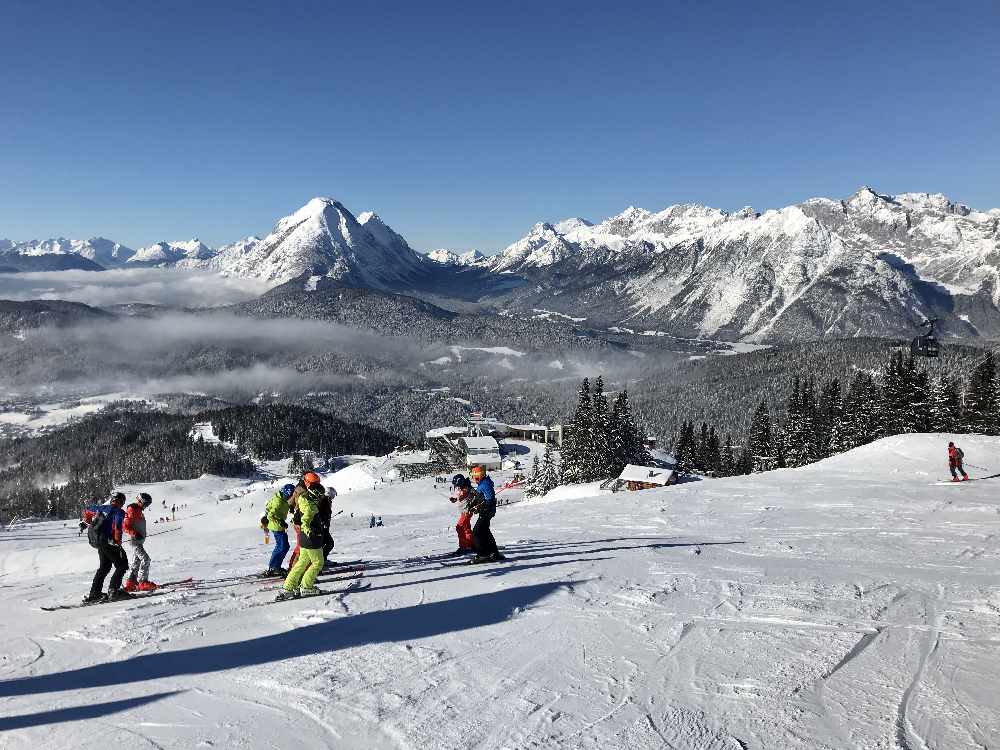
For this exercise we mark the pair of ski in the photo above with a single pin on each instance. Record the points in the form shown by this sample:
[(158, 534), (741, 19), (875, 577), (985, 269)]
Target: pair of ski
[(354, 584), (327, 576), (161, 590)]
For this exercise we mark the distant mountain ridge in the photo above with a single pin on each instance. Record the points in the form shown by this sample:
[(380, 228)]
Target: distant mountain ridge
[(871, 264)]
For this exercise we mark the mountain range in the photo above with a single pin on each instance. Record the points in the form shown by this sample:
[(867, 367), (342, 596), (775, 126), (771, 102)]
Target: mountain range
[(870, 264)]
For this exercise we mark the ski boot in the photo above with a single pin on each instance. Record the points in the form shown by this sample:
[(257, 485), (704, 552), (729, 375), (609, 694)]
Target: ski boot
[(286, 595), (120, 595), (955, 479), (459, 552), (311, 592), (148, 586), (497, 557), (95, 598), (131, 585), (480, 559)]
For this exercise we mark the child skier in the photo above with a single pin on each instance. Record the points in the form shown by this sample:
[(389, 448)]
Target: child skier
[(275, 514), (462, 493), (310, 561), (955, 457), (486, 506), (105, 535), (135, 526)]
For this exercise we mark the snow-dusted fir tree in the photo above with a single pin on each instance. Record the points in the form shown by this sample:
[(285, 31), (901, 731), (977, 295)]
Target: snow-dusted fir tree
[(981, 399), (576, 444), (829, 414), (685, 448), (295, 465), (548, 474), (944, 405), (529, 487), (627, 441), (798, 427), (862, 422), (601, 462), (761, 445)]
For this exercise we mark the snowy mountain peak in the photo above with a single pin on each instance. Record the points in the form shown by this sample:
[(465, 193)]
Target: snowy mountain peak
[(100, 250), (456, 258)]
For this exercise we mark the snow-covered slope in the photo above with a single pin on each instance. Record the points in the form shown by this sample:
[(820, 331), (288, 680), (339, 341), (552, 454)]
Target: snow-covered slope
[(104, 252), (324, 239), (870, 265), (849, 604)]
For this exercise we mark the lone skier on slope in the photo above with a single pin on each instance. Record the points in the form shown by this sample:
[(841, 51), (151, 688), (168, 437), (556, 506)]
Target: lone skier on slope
[(462, 493), (276, 514), (310, 561), (955, 457), (486, 506), (135, 527), (105, 535)]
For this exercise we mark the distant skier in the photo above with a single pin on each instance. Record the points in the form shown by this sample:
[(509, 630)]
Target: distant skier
[(173, 512), (276, 514), (105, 535), (371, 522), (379, 521), (310, 561), (486, 506), (135, 527), (955, 458), (462, 493)]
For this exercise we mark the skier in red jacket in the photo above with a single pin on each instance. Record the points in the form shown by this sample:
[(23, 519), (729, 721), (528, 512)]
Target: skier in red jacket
[(135, 527), (955, 457)]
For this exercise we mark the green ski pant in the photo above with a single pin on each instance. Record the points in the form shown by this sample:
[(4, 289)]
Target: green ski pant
[(306, 570)]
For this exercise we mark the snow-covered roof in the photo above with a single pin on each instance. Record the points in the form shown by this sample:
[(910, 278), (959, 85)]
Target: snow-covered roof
[(646, 474), (528, 427), (444, 431), (481, 444)]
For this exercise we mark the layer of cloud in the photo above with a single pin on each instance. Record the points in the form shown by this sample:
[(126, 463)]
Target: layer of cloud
[(154, 286)]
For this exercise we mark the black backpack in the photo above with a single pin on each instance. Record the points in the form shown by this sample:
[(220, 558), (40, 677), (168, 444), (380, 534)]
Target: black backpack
[(95, 534)]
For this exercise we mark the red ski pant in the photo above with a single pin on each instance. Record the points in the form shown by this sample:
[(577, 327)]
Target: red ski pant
[(298, 548), (464, 529)]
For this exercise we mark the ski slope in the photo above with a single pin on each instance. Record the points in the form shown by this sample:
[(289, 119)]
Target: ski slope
[(850, 604)]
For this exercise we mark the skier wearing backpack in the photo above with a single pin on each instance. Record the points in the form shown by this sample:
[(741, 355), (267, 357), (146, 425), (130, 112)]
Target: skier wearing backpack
[(462, 493), (135, 526), (105, 535), (311, 538), (275, 514), (483, 541), (955, 458)]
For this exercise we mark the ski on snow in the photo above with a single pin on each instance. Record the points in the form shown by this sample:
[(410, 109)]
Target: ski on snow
[(133, 598), (279, 582), (354, 585)]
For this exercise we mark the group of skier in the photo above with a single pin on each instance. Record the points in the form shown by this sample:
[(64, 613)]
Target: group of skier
[(107, 526), (477, 496)]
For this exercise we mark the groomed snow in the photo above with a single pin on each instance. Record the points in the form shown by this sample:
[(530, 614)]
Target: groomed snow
[(849, 604)]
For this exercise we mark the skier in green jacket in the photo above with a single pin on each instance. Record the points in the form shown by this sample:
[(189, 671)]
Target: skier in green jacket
[(275, 514), (309, 520)]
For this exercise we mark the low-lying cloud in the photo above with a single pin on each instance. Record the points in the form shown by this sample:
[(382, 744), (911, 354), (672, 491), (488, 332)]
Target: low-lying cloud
[(171, 287)]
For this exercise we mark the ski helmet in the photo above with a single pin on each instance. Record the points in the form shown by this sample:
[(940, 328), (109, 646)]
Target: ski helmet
[(477, 472), (310, 477), (146, 499), (458, 480), (118, 497), (287, 490)]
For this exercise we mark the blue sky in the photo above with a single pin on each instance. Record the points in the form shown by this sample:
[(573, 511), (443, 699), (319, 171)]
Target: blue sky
[(463, 123)]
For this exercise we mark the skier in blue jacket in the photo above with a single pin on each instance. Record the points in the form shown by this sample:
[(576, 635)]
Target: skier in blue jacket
[(107, 540), (483, 542)]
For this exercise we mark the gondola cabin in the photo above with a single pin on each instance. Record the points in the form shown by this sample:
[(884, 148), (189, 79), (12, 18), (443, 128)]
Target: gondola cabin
[(926, 344)]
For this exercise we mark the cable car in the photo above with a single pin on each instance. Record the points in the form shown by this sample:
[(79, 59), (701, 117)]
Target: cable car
[(926, 344)]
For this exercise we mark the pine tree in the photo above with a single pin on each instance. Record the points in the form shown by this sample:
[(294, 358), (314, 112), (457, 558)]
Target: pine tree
[(981, 398), (576, 444), (944, 405), (532, 485), (295, 465), (727, 459), (861, 422), (307, 463), (701, 452), (797, 429), (628, 445), (713, 454), (829, 415), (548, 474), (761, 446), (601, 464), (685, 448)]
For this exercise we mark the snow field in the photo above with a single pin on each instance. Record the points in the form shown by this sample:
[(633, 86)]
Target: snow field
[(848, 604)]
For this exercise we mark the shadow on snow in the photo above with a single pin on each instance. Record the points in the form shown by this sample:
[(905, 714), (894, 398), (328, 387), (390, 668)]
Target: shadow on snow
[(78, 713), (385, 626)]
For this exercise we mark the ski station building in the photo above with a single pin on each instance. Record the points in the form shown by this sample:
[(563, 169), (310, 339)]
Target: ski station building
[(635, 478), (482, 451)]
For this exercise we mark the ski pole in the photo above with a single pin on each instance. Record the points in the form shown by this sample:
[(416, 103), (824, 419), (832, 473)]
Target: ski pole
[(983, 468), (157, 533)]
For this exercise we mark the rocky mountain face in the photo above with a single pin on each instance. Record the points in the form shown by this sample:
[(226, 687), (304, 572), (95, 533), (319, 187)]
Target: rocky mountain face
[(172, 253), (868, 265)]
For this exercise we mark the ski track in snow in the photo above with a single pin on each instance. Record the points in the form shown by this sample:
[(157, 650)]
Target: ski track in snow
[(842, 606)]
